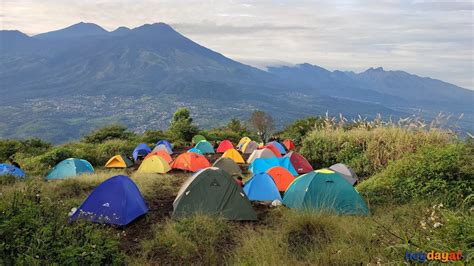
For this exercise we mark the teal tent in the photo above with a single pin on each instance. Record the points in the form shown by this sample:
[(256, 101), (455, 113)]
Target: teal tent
[(198, 151), (69, 168), (324, 190), (261, 187), (204, 146)]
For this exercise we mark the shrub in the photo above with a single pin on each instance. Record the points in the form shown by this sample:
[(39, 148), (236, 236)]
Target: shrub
[(108, 133), (434, 172), (34, 230), (367, 151), (298, 130)]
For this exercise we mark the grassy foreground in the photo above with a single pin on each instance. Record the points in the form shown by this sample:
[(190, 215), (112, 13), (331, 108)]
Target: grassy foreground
[(418, 185)]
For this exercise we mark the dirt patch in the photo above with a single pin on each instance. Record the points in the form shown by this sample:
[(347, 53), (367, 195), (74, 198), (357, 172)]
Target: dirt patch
[(160, 208)]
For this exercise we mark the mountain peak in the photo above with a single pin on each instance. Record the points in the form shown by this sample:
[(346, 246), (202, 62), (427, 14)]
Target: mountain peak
[(378, 69), (77, 30)]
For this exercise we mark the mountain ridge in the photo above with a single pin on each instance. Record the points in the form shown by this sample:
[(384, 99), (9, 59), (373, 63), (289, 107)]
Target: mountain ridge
[(154, 63)]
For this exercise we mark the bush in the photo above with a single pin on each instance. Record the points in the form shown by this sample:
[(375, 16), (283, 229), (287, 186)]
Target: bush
[(34, 230), (199, 239), (367, 151), (438, 173), (108, 133), (298, 130)]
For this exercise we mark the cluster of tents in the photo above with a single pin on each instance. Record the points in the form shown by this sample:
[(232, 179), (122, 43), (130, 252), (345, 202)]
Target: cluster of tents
[(279, 174)]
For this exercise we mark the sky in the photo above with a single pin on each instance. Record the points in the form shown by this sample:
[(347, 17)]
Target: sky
[(427, 38)]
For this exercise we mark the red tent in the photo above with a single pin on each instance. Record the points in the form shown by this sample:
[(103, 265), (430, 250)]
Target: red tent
[(289, 144), (300, 164), (224, 146), (274, 149)]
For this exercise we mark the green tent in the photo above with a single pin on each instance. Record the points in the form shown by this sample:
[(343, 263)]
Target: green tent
[(324, 190), (204, 146), (212, 191), (228, 165), (198, 138)]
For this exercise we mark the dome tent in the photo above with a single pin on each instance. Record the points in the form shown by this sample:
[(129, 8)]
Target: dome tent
[(234, 155), (198, 138), (228, 165), (301, 165), (324, 190), (163, 147), (8, 169), (204, 146), (281, 176), (224, 146), (263, 153), (190, 161), (69, 168), (195, 150), (166, 143), (116, 201), (346, 172), (212, 191), (140, 151), (119, 161), (289, 144), (163, 154), (249, 147), (277, 145), (261, 187), (154, 164)]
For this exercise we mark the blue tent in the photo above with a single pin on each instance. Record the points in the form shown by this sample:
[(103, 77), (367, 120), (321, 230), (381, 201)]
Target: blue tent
[(166, 143), (198, 151), (204, 146), (262, 187), (261, 165), (278, 145), (141, 150), (116, 201), (69, 168), (7, 169)]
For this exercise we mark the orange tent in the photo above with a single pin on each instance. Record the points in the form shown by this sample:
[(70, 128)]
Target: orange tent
[(281, 176), (163, 154), (224, 146), (190, 161), (289, 144), (273, 149)]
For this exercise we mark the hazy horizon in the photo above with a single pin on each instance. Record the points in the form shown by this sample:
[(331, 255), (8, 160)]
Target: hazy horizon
[(432, 39)]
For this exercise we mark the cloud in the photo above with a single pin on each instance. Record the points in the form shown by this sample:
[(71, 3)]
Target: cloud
[(429, 38)]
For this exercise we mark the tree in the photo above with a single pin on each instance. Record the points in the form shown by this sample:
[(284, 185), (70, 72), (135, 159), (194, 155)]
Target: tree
[(108, 132), (182, 127), (262, 123), (235, 125)]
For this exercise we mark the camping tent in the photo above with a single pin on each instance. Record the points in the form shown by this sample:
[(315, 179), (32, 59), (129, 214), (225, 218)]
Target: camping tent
[(204, 146), (249, 147), (69, 168), (277, 145), (154, 164), (7, 169), (261, 187), (224, 146), (242, 141), (263, 153), (228, 165), (197, 138), (273, 149), (162, 154), (212, 191), (324, 190), (261, 165), (118, 161), (166, 143), (190, 161), (281, 176), (289, 144), (346, 172), (163, 147), (234, 155), (300, 164), (116, 201), (195, 150), (140, 151)]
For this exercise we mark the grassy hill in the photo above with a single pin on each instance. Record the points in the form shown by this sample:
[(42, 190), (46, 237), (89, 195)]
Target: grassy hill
[(417, 182)]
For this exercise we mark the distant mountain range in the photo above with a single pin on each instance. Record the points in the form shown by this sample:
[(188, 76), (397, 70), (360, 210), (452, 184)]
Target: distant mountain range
[(58, 85)]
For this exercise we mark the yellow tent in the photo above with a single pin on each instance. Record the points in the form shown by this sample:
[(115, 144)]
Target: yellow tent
[(154, 164), (242, 141), (118, 161), (234, 155)]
